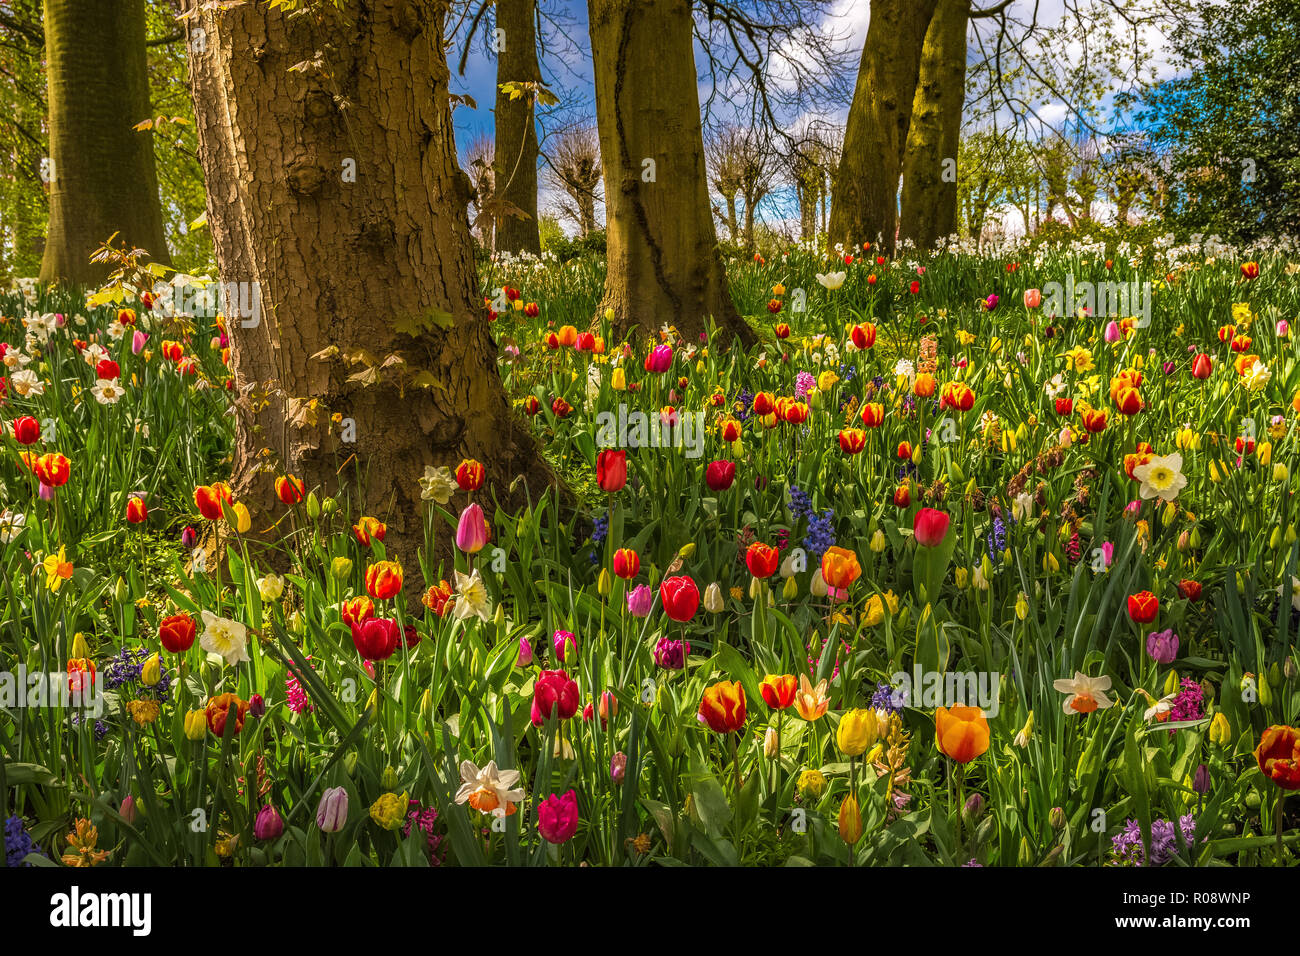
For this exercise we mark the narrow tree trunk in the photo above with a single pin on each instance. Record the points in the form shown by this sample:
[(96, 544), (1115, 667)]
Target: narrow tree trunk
[(103, 179), (663, 260), (515, 157), (929, 204), (337, 193), (864, 203)]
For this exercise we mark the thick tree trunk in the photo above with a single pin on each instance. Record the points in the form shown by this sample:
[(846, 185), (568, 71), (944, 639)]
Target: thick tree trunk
[(663, 260), (929, 204), (515, 157), (864, 203), (351, 222), (103, 179)]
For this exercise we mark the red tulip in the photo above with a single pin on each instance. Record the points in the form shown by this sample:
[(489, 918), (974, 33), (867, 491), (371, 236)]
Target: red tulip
[(611, 470), (554, 693), (176, 633), (680, 597), (1190, 589), (720, 474), (863, 335), (289, 489), (1143, 607), (627, 563), (762, 559), (136, 510), (930, 527), (27, 430), (1202, 366), (470, 474), (376, 638)]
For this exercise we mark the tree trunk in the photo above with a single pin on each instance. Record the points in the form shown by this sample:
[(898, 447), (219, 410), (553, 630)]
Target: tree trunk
[(351, 222), (663, 260), (864, 201), (103, 179), (515, 157), (929, 205)]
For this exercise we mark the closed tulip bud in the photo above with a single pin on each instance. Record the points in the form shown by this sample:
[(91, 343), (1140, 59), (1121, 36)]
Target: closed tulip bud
[(1275, 539), (1265, 452), (1171, 682), (243, 520), (196, 725), (687, 551), (603, 583), (1184, 540), (426, 705), (1022, 606), (80, 649), (372, 704), (961, 578), (1289, 670), (328, 506), (713, 602), (313, 506), (1220, 730), (811, 784), (127, 810), (1201, 779), (973, 808), (1290, 534), (1025, 855), (388, 779), (332, 811), (340, 568), (790, 590), (1280, 473), (818, 587), (878, 541), (350, 763), (121, 592), (1057, 818), (850, 820), (151, 671), (1275, 674), (770, 749)]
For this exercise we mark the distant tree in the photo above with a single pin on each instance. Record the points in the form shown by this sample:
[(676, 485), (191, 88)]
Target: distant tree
[(573, 170), (1227, 128)]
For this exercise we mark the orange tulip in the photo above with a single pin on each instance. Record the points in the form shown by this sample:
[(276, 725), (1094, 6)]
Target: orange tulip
[(289, 489), (383, 579), (957, 395), (840, 567), (723, 707), (1278, 755), (53, 469), (811, 702), (778, 690), (961, 733), (924, 386), (852, 441), (873, 414), (210, 499)]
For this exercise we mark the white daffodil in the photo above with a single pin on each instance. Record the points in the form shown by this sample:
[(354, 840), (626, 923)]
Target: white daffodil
[(12, 524), (107, 391), (471, 598), (437, 484), (1162, 477), (25, 383), (1084, 694), (488, 789), (226, 638)]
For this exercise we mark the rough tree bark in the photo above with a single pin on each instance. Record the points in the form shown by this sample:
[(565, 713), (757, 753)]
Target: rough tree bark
[(337, 192), (929, 203), (515, 157), (103, 176), (864, 203), (663, 260)]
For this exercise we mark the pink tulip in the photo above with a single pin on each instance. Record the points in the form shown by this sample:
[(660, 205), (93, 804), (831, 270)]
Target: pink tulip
[(557, 817), (471, 530), (138, 339), (1113, 334), (1033, 298)]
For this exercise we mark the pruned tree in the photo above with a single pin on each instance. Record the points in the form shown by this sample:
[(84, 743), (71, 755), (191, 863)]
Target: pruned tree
[(574, 171), (478, 166)]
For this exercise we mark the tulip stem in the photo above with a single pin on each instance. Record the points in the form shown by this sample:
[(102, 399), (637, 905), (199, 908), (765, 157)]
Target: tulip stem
[(1281, 799), (735, 762)]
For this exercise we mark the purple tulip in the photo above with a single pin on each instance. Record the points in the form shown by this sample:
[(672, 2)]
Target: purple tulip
[(332, 813), (639, 600), (1162, 646), (525, 652), (269, 824)]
